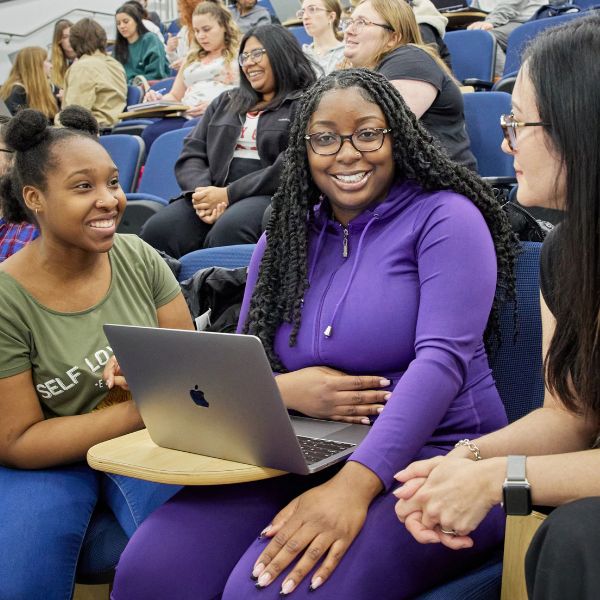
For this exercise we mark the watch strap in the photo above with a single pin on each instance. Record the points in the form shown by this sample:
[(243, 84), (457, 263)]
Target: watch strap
[(515, 468)]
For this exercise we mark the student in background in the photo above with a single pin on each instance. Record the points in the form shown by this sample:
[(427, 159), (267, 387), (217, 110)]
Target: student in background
[(383, 35), (138, 50), (15, 230), (231, 162), (179, 46), (321, 19), (62, 53), (96, 81), (28, 84), (55, 295), (248, 15), (209, 69)]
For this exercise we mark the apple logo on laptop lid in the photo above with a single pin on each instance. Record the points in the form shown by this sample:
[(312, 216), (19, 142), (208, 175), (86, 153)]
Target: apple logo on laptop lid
[(197, 396)]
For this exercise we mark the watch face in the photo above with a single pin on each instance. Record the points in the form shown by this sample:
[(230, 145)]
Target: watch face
[(517, 499)]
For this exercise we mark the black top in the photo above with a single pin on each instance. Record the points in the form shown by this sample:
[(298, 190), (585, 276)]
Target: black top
[(17, 99), (431, 35), (445, 118), (548, 260)]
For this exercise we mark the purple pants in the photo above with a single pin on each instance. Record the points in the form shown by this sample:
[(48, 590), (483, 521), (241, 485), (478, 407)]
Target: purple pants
[(202, 545)]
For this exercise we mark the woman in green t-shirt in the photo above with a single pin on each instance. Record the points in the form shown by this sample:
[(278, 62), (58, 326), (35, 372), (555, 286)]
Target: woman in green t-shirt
[(56, 293), (138, 50)]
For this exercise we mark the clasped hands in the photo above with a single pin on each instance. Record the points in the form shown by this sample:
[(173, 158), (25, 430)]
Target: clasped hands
[(210, 202), (447, 493)]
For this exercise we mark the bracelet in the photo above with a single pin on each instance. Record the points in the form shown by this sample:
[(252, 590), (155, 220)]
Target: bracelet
[(471, 446)]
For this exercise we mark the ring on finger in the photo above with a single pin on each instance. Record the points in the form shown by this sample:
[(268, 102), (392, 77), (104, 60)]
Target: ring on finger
[(448, 531)]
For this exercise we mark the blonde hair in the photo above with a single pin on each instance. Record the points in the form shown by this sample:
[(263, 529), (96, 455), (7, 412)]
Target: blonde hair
[(231, 36), (401, 18), (60, 62), (334, 6), (28, 71)]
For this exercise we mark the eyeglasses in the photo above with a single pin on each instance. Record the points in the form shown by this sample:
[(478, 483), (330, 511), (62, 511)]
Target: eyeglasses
[(327, 143), (509, 128), (256, 56), (7, 151), (309, 10), (359, 24)]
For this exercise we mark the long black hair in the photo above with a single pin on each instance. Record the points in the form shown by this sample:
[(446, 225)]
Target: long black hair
[(291, 67), (121, 50), (282, 279), (564, 70)]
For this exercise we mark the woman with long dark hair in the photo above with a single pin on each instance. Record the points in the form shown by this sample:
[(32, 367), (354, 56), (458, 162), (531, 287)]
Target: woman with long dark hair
[(232, 160), (138, 50), (378, 280), (553, 135)]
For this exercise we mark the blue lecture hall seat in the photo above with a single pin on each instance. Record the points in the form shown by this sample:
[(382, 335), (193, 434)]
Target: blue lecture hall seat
[(128, 153), (473, 54), (230, 257)]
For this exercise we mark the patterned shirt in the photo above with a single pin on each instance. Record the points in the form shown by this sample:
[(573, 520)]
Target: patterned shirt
[(13, 236)]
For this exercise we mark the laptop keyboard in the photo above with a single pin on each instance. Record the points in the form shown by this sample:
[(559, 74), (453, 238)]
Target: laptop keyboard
[(315, 449)]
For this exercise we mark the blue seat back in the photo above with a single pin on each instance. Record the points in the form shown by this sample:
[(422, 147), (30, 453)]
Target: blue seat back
[(482, 117), (473, 54), (159, 172), (163, 85), (127, 151), (300, 34), (135, 95), (230, 257), (267, 4), (524, 34)]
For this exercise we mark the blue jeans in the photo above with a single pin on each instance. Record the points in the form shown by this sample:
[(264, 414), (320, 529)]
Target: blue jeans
[(44, 516)]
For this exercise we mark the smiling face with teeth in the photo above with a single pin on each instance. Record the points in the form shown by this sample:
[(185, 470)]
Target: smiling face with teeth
[(82, 202), (350, 179), (259, 74)]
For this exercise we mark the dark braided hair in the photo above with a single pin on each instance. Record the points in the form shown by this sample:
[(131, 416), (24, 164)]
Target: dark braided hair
[(282, 279)]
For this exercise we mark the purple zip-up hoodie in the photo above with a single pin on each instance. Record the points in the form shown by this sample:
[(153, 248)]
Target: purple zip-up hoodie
[(403, 292)]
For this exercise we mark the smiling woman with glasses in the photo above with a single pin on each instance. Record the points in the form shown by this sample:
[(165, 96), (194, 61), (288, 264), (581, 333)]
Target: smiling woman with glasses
[(371, 292), (321, 20), (230, 164), (383, 35)]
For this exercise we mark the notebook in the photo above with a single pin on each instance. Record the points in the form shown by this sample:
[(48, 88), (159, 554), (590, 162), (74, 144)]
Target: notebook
[(214, 394)]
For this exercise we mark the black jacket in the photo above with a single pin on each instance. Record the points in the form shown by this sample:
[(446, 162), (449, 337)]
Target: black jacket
[(208, 150)]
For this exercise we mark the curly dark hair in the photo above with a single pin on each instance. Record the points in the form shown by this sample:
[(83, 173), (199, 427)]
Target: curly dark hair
[(282, 279)]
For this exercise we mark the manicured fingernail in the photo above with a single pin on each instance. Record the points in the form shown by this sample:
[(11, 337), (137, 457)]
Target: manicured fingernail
[(265, 531), (380, 409), (396, 492), (287, 587), (315, 583), (258, 569), (365, 421), (384, 382), (387, 396), (264, 580)]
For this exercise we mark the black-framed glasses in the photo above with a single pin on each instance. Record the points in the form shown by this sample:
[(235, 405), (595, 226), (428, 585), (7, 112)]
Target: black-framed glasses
[(509, 129), (360, 23), (309, 10), (256, 56), (327, 143), (7, 151)]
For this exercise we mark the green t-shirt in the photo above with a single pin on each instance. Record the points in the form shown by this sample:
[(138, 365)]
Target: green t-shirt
[(147, 57), (66, 352)]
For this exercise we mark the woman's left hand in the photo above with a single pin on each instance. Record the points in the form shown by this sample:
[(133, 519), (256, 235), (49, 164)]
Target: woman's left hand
[(112, 374), (209, 197), (211, 216), (321, 524), (198, 110)]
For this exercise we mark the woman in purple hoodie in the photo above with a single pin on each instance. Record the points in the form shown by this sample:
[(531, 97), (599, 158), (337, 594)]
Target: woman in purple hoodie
[(378, 281)]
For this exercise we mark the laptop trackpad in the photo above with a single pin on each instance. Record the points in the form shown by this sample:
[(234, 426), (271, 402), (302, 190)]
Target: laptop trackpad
[(340, 432)]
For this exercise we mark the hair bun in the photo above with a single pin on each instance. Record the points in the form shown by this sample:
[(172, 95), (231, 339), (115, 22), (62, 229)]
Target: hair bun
[(26, 129), (79, 118)]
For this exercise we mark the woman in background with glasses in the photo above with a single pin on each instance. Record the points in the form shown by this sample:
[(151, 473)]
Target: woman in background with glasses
[(321, 19), (553, 136), (372, 292), (231, 162), (383, 35)]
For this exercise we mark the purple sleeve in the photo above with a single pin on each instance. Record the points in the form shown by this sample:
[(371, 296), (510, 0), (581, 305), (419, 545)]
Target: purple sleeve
[(457, 281), (251, 280)]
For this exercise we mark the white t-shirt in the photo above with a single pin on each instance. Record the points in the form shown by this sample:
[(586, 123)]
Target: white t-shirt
[(246, 145)]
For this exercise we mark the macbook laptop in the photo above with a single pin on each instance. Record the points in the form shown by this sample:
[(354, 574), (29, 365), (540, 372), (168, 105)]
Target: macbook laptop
[(214, 394)]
